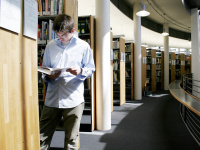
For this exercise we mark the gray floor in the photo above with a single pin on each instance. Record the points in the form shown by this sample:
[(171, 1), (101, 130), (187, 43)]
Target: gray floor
[(154, 123)]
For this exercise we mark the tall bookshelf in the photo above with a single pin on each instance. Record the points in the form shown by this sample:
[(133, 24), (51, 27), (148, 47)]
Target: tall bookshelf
[(178, 66), (188, 63), (86, 33), (151, 69), (119, 90), (144, 69), (129, 70), (159, 70), (172, 67), (111, 69), (182, 68)]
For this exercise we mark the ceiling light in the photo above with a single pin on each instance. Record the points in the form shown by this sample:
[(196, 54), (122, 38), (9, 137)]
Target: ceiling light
[(165, 33), (165, 28), (143, 12)]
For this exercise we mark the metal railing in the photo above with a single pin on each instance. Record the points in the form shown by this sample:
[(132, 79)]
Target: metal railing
[(190, 85)]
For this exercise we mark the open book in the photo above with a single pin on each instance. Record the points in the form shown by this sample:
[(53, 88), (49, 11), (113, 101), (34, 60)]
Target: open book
[(50, 71)]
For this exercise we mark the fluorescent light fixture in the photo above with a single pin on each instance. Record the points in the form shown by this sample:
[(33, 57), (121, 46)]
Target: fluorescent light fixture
[(143, 12)]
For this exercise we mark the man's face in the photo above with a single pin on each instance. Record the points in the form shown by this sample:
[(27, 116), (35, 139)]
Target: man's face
[(65, 36)]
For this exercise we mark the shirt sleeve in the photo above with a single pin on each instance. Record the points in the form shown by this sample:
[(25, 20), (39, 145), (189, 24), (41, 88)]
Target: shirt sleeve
[(88, 66)]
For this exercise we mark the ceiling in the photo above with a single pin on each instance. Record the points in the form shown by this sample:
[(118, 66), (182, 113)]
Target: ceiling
[(172, 12)]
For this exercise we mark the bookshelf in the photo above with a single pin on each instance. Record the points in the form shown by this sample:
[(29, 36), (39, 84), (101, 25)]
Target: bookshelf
[(178, 74), (182, 67), (172, 67), (119, 80), (86, 33), (188, 63), (159, 70), (129, 71), (45, 34), (151, 69), (111, 69), (144, 70)]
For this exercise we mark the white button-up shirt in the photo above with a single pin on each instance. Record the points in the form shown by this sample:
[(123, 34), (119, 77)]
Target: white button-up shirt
[(67, 90)]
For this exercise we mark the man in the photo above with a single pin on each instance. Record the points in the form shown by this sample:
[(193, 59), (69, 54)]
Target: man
[(64, 96)]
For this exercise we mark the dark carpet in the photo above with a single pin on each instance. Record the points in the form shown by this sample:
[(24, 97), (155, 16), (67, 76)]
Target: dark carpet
[(153, 123)]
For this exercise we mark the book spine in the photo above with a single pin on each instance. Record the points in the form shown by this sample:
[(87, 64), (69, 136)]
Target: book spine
[(46, 7), (50, 29), (55, 7), (43, 7), (49, 7), (60, 6), (52, 7)]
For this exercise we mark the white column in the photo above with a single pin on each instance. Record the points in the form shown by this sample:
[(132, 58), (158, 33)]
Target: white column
[(166, 58), (195, 27), (103, 95), (137, 54)]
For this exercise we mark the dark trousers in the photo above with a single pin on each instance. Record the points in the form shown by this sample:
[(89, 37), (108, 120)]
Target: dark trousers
[(51, 117)]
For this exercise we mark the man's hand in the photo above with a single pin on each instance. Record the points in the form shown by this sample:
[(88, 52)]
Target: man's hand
[(75, 70), (55, 75)]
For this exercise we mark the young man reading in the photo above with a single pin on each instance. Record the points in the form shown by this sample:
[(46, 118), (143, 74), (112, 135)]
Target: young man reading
[(64, 96)]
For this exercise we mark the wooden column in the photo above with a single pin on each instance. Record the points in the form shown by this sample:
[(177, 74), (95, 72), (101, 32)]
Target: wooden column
[(144, 69), (173, 67), (153, 71), (111, 72), (122, 73), (132, 70), (162, 70), (182, 62)]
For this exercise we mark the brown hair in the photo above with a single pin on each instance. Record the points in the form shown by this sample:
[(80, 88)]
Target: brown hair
[(63, 23)]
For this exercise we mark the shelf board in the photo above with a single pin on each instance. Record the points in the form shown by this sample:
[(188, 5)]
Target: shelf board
[(47, 17)]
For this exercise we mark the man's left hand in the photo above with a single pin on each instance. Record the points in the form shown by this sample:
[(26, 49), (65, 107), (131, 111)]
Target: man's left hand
[(75, 70)]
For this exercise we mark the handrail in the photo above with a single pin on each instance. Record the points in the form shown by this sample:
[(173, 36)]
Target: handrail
[(191, 85)]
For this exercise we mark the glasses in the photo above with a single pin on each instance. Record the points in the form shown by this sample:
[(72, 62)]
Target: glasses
[(62, 36)]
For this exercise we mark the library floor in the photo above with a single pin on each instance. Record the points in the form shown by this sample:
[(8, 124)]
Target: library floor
[(153, 123)]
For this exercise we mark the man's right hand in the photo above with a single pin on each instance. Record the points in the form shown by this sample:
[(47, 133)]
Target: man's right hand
[(55, 75)]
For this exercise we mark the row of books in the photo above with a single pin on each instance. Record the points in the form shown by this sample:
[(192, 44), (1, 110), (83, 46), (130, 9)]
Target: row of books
[(45, 31), (83, 27), (115, 65), (128, 57), (128, 48), (115, 44), (115, 55), (115, 78), (158, 60), (50, 7)]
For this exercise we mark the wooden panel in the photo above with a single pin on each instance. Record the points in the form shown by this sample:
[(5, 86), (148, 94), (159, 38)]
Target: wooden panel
[(30, 91), (144, 72), (162, 70), (93, 83), (19, 118), (11, 94), (71, 9), (182, 71), (122, 73), (153, 72), (132, 70), (111, 72), (173, 68)]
